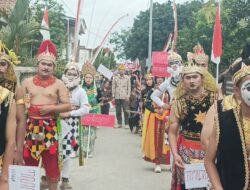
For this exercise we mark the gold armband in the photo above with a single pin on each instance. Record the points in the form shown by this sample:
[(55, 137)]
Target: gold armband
[(20, 102)]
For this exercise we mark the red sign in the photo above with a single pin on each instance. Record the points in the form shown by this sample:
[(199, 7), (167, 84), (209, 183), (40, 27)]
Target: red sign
[(159, 57), (98, 120), (160, 72)]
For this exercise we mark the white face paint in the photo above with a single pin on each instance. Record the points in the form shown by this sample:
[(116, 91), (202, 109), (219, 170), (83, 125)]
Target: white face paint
[(245, 92)]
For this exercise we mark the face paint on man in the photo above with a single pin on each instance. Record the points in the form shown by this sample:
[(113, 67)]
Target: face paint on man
[(245, 92)]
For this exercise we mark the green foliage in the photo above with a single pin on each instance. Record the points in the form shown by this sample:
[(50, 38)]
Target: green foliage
[(19, 31), (195, 22)]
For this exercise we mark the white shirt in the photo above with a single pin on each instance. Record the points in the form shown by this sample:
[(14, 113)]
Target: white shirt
[(79, 98)]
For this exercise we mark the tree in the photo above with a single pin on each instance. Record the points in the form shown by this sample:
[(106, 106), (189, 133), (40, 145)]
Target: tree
[(20, 29)]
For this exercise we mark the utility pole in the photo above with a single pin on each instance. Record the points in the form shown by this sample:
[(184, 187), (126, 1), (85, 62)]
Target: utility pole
[(150, 36)]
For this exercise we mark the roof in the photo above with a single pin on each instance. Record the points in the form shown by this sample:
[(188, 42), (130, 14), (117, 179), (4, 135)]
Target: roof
[(6, 5)]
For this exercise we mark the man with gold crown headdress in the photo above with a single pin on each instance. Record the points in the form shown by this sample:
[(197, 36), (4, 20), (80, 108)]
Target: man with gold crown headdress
[(45, 97), (121, 88), (11, 110), (71, 120), (194, 95), (229, 142), (199, 57)]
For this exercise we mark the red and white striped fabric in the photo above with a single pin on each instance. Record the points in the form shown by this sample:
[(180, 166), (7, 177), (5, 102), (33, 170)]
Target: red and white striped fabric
[(45, 26)]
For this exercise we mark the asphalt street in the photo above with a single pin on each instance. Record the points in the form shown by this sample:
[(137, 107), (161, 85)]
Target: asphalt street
[(117, 164)]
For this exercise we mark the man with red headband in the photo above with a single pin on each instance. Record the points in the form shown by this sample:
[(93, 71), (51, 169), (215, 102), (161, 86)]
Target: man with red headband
[(45, 96)]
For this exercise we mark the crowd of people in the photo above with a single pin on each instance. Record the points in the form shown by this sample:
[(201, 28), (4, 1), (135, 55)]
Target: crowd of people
[(182, 119)]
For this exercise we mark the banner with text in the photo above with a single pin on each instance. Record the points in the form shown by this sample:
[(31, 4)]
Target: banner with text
[(195, 176), (160, 64), (98, 120), (24, 178)]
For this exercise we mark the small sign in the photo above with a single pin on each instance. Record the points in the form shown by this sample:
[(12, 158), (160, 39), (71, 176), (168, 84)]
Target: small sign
[(24, 178), (105, 71), (195, 176), (160, 71), (98, 120), (159, 57)]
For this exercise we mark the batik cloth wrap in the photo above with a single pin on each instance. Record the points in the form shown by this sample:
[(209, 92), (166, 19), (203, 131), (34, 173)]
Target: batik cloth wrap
[(95, 109), (69, 142), (154, 125)]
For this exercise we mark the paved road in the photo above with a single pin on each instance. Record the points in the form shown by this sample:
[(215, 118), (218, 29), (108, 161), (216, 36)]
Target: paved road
[(117, 165)]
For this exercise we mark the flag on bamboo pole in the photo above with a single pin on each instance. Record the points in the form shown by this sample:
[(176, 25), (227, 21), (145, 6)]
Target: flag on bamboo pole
[(77, 28), (217, 39), (45, 25), (175, 26)]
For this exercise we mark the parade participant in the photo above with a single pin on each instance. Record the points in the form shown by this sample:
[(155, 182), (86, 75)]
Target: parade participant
[(199, 57), (106, 97), (8, 82), (71, 120), (45, 96), (154, 148), (121, 89), (135, 110), (170, 84), (94, 98), (229, 142), (149, 79), (194, 95)]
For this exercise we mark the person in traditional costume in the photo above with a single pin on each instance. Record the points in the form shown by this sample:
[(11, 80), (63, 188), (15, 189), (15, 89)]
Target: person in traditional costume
[(194, 95), (94, 98), (9, 99), (45, 97), (154, 122), (198, 57), (229, 142), (169, 85), (71, 120), (121, 90)]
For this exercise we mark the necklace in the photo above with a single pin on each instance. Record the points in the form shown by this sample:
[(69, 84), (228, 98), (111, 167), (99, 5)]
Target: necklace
[(38, 81)]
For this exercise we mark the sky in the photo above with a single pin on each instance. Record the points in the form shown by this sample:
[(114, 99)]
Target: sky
[(100, 15)]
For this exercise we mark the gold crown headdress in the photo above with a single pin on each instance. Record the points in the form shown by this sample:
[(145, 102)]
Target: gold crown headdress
[(173, 56), (198, 55), (10, 57), (47, 51), (244, 71), (121, 66), (148, 76), (88, 68), (191, 68)]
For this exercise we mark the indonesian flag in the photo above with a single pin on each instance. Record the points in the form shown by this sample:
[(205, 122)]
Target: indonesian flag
[(45, 26), (217, 39)]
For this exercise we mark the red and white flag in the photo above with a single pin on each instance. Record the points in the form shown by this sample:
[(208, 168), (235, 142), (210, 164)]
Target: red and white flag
[(45, 25), (217, 39)]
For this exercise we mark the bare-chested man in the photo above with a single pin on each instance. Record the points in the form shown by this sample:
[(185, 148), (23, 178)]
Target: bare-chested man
[(45, 96)]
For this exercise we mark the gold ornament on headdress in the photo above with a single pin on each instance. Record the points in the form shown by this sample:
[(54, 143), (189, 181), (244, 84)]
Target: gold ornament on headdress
[(12, 59), (244, 71), (209, 82), (88, 68), (191, 68), (148, 76), (198, 56), (121, 67), (173, 57)]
